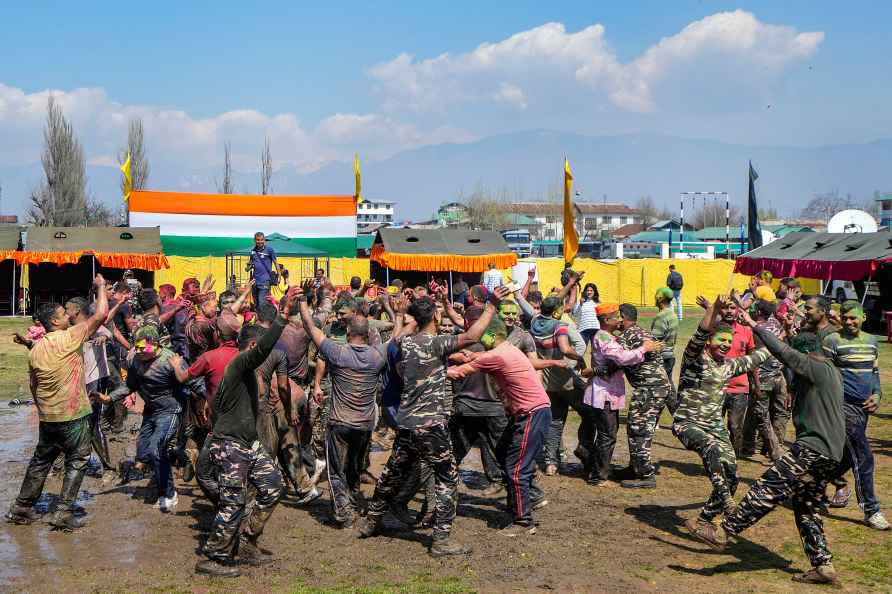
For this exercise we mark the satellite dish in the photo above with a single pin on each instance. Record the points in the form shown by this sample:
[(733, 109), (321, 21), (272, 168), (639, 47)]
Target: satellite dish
[(767, 236), (852, 221)]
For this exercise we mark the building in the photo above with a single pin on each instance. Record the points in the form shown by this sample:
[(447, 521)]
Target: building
[(884, 204), (371, 214), (591, 218), (7, 220), (453, 214)]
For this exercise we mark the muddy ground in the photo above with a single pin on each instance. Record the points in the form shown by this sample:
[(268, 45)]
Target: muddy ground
[(590, 539)]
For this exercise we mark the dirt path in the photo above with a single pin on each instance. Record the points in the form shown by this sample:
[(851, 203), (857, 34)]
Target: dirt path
[(590, 540)]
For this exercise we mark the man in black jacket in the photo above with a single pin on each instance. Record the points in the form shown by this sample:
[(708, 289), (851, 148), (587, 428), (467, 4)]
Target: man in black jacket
[(676, 282), (239, 458), (805, 470)]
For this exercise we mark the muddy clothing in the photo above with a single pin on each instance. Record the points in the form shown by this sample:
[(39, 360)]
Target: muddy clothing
[(422, 365), (520, 443), (522, 340), (155, 434), (69, 438), (475, 394), (58, 383), (235, 410), (153, 321), (355, 372), (650, 389), (800, 475), (237, 466), (177, 328), (296, 344), (211, 365), (698, 419), (430, 445), (201, 333), (156, 383), (345, 451)]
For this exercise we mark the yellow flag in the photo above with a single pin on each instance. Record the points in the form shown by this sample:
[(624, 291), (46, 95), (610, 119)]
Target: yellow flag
[(358, 194), (128, 179), (571, 240)]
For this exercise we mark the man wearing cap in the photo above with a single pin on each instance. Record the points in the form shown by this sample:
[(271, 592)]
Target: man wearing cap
[(664, 328), (606, 390)]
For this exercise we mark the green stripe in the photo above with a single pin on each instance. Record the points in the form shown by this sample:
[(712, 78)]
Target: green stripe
[(175, 245)]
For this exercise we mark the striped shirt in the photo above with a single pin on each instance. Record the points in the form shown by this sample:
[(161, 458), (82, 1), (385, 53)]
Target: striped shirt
[(857, 360), (587, 316)]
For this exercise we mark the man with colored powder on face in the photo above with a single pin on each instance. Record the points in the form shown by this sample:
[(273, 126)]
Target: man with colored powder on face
[(705, 371), (58, 385), (606, 390), (856, 355), (529, 416), (664, 328)]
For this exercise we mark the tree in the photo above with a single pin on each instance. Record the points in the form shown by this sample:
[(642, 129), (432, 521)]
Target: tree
[(139, 162), (61, 199), (712, 214), (266, 168), (823, 206), (647, 210), (769, 214), (226, 186)]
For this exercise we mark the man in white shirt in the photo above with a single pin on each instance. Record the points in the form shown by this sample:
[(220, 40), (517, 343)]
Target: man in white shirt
[(492, 278)]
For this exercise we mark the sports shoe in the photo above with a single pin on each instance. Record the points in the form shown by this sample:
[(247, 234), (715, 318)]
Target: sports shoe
[(368, 526), (309, 497), (539, 504), (492, 490), (443, 547), (823, 574), (714, 536), (551, 469), (640, 483), (841, 497), (217, 569), (317, 472), (878, 521), (515, 530), (250, 554), (19, 514), (169, 504)]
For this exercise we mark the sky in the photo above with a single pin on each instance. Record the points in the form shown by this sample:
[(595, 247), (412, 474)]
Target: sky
[(325, 80)]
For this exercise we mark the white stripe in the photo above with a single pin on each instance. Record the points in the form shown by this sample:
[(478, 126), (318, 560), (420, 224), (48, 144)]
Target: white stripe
[(244, 226)]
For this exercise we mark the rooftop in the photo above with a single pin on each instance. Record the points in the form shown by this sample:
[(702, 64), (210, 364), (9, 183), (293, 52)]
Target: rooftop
[(556, 208)]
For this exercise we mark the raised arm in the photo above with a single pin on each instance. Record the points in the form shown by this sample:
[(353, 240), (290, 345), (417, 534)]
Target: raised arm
[(531, 274), (473, 334), (456, 317), (236, 306), (99, 316), (309, 326)]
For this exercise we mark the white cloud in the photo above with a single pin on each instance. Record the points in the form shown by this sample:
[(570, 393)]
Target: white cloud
[(731, 49)]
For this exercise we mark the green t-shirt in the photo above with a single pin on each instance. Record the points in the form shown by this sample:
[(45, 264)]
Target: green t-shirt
[(665, 329)]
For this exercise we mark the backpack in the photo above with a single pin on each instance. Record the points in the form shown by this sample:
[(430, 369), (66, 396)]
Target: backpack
[(675, 281)]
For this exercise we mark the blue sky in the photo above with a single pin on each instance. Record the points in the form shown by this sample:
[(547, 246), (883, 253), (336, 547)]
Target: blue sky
[(326, 79)]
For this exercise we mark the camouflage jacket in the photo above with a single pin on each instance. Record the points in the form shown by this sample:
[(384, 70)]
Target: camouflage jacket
[(701, 387), (650, 373)]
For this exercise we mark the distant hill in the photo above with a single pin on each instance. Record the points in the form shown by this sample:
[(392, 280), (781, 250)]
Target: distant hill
[(528, 163)]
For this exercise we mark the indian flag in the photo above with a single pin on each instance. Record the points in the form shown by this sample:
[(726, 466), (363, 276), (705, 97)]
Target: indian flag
[(214, 224)]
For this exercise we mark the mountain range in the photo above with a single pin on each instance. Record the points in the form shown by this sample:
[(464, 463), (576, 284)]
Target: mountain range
[(528, 166)]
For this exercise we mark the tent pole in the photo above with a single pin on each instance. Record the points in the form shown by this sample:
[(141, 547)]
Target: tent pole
[(94, 267), (12, 301), (449, 291), (387, 276)]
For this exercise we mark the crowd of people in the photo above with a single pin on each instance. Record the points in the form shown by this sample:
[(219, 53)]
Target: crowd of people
[(257, 399)]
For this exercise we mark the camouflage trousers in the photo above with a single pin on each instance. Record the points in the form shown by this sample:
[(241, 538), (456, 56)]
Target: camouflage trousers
[(758, 421), (237, 467), (644, 413), (430, 445), (282, 443), (715, 449), (801, 475)]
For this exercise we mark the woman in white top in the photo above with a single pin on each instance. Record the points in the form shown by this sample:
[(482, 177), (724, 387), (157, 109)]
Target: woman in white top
[(586, 316)]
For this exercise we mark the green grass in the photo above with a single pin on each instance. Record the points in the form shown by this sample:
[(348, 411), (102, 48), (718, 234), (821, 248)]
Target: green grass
[(13, 359)]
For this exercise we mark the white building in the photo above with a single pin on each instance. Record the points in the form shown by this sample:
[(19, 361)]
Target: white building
[(373, 214), (591, 218)]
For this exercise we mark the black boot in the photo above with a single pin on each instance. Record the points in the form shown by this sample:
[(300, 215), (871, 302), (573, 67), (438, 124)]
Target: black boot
[(442, 547), (19, 514), (250, 554)]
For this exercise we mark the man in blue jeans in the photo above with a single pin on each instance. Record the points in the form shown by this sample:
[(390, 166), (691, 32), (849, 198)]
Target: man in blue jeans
[(263, 265), (151, 374)]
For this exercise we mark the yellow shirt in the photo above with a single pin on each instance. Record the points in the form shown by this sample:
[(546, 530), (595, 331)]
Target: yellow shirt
[(56, 363)]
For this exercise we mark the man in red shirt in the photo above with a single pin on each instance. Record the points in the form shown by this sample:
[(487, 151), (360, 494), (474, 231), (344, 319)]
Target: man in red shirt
[(737, 390), (529, 417)]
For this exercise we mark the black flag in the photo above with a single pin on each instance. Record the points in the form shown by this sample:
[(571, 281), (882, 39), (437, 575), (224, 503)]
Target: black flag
[(754, 229)]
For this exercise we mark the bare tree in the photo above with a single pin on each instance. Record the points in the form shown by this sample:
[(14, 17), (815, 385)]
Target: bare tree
[(266, 168), (712, 214), (61, 199), (823, 206), (647, 210), (139, 162), (226, 186)]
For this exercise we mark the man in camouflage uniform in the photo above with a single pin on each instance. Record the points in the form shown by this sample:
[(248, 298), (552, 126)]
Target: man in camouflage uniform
[(772, 388), (802, 473), (422, 419), (650, 388), (698, 419), (239, 458)]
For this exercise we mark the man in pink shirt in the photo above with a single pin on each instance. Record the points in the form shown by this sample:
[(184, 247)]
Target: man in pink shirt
[(529, 416), (606, 390), (737, 390)]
